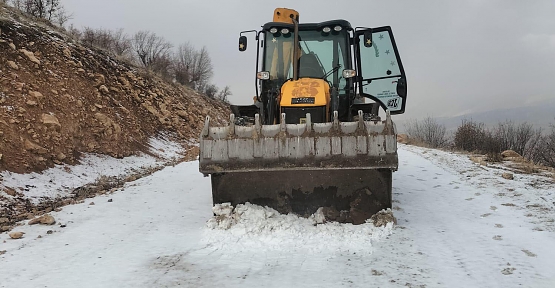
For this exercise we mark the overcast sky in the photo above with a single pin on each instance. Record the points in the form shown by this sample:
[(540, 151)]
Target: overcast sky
[(459, 56)]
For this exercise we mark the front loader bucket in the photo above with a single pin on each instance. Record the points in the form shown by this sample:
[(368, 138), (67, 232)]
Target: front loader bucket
[(344, 167)]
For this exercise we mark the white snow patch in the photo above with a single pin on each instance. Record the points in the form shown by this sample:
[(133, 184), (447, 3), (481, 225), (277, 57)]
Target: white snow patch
[(163, 147), (264, 228), (60, 180)]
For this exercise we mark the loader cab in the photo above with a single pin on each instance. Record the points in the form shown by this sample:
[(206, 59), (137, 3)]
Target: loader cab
[(323, 54), (338, 68)]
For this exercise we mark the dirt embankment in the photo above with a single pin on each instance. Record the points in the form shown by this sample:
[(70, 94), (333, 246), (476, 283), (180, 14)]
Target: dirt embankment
[(59, 99)]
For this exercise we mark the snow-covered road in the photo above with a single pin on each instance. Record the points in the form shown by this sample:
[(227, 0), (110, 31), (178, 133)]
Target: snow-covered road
[(459, 225)]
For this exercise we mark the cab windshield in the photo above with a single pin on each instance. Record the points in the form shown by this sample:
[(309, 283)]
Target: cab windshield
[(322, 55)]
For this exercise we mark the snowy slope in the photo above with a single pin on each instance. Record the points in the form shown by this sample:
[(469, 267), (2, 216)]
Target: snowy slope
[(460, 225), (60, 180)]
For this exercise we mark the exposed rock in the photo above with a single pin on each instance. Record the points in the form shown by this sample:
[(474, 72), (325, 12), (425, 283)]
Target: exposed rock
[(103, 119), (31, 146), (124, 126), (92, 203), (30, 55), (103, 89), (50, 121), (67, 52), (509, 153), (99, 79), (61, 156), (16, 235), (182, 114), (13, 65), (10, 191), (19, 86), (383, 217), (508, 176), (124, 82), (4, 220), (44, 220), (12, 46), (330, 213), (36, 94)]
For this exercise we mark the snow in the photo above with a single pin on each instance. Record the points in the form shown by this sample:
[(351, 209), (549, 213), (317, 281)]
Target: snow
[(62, 179), (264, 228), (459, 225)]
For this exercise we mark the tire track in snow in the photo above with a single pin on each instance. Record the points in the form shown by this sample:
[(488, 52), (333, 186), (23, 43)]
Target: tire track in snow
[(450, 231)]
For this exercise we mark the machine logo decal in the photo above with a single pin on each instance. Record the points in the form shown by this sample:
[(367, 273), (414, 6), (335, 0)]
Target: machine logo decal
[(393, 103)]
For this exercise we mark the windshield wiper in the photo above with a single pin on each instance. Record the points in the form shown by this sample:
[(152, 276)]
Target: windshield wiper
[(333, 70)]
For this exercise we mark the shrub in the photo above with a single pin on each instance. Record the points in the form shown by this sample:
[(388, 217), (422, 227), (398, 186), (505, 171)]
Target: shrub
[(429, 132), (470, 136)]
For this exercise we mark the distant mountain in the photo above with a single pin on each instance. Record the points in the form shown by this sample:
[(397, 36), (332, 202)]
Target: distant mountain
[(539, 115)]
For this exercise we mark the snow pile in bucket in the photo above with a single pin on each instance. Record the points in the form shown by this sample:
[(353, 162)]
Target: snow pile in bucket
[(255, 227)]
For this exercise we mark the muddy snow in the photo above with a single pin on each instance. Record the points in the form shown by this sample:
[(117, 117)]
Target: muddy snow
[(459, 224)]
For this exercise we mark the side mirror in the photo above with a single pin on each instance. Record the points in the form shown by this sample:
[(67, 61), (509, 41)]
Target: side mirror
[(368, 38), (242, 43), (402, 87)]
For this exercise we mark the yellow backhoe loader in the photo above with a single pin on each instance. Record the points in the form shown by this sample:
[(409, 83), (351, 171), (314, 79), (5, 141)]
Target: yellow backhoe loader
[(314, 137)]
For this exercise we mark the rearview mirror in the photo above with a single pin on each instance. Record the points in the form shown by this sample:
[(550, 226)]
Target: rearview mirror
[(402, 87), (368, 38), (242, 43)]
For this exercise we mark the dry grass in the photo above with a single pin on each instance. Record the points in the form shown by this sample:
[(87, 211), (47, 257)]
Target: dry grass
[(479, 159), (405, 139)]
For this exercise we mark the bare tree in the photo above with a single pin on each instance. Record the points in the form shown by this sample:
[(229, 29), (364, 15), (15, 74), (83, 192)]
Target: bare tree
[(183, 63), (162, 66), (62, 16), (428, 131), (513, 137), (51, 10), (224, 93), (97, 37), (470, 136), (150, 49), (192, 67), (74, 32), (121, 43), (545, 149), (17, 4), (45, 9), (211, 90), (532, 151), (202, 70)]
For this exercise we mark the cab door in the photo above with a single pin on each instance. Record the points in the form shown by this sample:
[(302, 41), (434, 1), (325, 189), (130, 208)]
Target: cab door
[(381, 76)]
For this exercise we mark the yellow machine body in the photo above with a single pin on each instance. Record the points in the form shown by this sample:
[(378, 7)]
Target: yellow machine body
[(306, 92), (284, 15)]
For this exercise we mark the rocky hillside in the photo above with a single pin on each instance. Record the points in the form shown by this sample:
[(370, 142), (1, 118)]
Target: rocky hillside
[(59, 99)]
